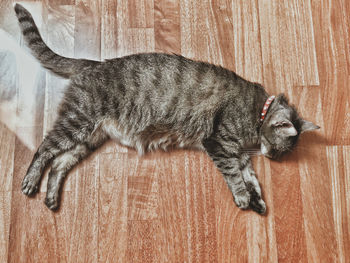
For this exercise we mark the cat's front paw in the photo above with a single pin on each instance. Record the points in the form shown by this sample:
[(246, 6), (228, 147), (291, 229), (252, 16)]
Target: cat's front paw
[(256, 202), (258, 205), (242, 199), (51, 202), (30, 185)]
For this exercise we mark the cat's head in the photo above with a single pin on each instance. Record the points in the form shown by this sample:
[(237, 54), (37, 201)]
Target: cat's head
[(281, 128)]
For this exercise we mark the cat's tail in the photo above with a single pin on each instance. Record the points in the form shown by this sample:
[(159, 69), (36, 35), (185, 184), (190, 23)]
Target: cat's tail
[(62, 66)]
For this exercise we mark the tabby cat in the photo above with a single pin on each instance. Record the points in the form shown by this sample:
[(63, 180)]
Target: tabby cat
[(152, 101)]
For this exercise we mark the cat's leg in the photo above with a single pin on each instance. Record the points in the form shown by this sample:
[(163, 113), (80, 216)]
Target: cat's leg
[(65, 135), (65, 162), (252, 183), (227, 160), (48, 149), (61, 165)]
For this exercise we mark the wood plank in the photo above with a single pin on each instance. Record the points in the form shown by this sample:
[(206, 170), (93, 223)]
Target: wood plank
[(113, 28), (142, 188), (109, 32), (87, 29), (261, 230), (167, 26), (38, 230), (140, 32), (140, 40), (143, 241), (222, 19), (7, 149), (140, 13), (338, 170), (315, 182), (113, 206), (246, 39), (199, 203), (173, 207), (199, 37), (346, 20), (65, 236), (187, 216), (288, 45), (231, 224), (288, 209), (80, 210), (5, 208), (332, 46), (200, 206)]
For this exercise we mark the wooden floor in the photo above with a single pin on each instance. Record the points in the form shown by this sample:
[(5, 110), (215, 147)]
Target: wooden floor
[(175, 207)]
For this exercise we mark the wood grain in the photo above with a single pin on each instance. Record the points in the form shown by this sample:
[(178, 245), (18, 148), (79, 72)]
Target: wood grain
[(140, 40), (172, 211), (338, 165), (315, 185), (7, 149), (286, 31), (5, 217), (333, 52), (52, 232), (143, 189), (167, 26), (113, 208), (142, 241), (87, 29), (112, 29), (261, 231), (289, 225), (175, 207), (140, 13), (246, 40)]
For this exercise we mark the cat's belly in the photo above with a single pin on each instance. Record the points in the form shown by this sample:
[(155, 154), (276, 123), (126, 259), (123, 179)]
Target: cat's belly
[(149, 139)]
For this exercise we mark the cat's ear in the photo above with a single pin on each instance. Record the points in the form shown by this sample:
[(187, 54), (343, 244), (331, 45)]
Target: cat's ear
[(285, 127), (307, 126)]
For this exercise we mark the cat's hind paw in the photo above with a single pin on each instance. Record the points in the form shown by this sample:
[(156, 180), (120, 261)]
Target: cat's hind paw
[(29, 186)]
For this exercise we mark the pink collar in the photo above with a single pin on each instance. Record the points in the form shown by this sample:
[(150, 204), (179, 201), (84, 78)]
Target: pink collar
[(266, 107)]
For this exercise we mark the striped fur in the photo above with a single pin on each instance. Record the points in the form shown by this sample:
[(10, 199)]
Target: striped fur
[(152, 101)]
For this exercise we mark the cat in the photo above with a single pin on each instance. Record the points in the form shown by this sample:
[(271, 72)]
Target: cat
[(155, 100)]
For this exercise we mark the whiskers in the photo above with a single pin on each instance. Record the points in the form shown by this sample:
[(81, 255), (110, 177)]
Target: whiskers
[(252, 151)]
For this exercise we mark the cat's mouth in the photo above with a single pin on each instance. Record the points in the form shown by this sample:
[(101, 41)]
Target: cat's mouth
[(265, 151), (269, 152)]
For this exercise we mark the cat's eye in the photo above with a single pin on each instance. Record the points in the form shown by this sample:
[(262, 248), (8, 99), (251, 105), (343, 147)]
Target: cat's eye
[(286, 125)]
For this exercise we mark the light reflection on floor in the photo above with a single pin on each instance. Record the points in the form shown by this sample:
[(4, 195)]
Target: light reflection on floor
[(19, 70)]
